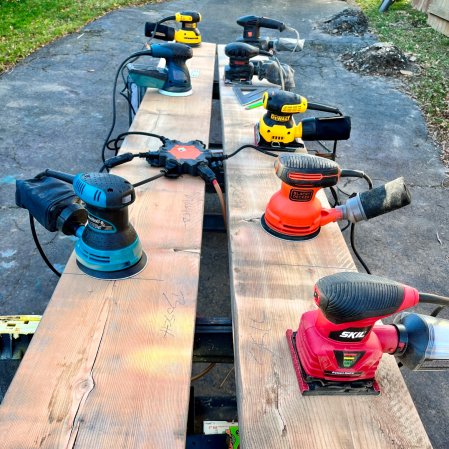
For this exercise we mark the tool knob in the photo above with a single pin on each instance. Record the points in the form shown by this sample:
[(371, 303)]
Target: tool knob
[(260, 22), (104, 190), (305, 170), (349, 297), (188, 17), (171, 50), (241, 51), (283, 102)]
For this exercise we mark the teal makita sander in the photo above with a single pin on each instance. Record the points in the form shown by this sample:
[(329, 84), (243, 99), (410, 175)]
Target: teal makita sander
[(108, 246)]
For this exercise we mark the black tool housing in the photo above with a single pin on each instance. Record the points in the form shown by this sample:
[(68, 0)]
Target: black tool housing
[(180, 158), (251, 29), (348, 297), (305, 170), (175, 55), (159, 31), (326, 128), (45, 198)]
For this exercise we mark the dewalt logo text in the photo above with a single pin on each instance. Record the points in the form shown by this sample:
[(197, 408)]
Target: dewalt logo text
[(280, 118)]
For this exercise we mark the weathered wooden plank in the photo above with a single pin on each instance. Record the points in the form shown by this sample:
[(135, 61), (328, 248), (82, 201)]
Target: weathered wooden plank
[(421, 5), (272, 284), (438, 17), (440, 8), (110, 364)]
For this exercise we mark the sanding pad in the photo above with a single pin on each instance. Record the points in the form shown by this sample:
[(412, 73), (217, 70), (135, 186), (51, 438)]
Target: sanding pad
[(115, 275), (279, 235), (176, 94)]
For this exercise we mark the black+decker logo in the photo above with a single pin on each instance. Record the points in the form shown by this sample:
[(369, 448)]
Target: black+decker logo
[(300, 195)]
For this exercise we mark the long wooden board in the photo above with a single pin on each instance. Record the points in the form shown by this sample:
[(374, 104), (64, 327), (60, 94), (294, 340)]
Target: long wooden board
[(438, 16), (272, 285), (110, 364)]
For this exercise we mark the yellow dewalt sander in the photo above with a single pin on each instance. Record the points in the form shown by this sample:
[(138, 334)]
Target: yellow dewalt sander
[(188, 33), (278, 129)]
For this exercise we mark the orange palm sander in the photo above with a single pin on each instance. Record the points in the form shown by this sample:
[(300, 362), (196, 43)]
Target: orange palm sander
[(295, 212)]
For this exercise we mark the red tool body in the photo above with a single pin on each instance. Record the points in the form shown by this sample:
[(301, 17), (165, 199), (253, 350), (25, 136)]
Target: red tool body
[(337, 348), (296, 213)]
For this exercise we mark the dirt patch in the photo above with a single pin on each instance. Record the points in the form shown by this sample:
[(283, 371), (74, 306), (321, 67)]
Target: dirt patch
[(348, 21), (381, 58)]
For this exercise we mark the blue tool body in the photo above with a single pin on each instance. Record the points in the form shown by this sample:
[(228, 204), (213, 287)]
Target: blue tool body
[(108, 246)]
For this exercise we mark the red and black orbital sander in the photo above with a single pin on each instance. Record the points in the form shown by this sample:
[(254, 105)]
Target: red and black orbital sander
[(337, 348), (295, 213)]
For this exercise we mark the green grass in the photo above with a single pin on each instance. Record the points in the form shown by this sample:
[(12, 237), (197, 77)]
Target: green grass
[(408, 30), (26, 25)]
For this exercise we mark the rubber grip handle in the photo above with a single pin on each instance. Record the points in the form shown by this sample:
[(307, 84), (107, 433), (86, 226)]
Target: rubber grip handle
[(273, 24), (306, 170), (386, 198), (171, 50), (240, 50), (60, 175), (194, 15), (349, 297), (326, 128), (323, 108)]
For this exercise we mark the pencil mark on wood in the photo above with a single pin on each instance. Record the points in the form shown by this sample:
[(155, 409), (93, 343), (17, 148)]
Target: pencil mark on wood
[(262, 324), (258, 347), (173, 301), (189, 203)]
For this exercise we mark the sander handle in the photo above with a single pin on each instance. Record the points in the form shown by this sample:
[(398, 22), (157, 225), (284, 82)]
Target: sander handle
[(59, 175), (166, 19), (252, 24), (351, 297), (323, 108)]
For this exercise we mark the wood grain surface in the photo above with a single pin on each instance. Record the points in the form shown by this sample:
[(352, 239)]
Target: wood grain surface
[(110, 364), (438, 17), (272, 285)]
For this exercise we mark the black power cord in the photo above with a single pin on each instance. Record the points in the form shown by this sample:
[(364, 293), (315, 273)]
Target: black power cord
[(40, 249), (430, 298), (354, 249), (115, 144), (254, 147), (133, 57), (153, 178), (363, 175)]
